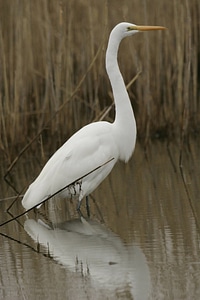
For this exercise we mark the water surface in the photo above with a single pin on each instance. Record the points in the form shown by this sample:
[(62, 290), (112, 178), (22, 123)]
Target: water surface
[(141, 242)]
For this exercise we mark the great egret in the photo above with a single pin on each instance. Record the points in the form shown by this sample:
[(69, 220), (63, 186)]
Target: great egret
[(94, 144)]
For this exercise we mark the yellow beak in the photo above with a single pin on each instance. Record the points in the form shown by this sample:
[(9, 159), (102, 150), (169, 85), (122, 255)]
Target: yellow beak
[(147, 28)]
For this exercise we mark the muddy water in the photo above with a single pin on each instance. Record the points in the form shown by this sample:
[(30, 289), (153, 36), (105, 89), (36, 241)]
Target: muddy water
[(141, 242)]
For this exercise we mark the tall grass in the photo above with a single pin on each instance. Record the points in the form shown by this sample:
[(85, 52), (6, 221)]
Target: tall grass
[(53, 79)]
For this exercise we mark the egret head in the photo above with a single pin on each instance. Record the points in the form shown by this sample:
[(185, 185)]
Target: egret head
[(125, 29)]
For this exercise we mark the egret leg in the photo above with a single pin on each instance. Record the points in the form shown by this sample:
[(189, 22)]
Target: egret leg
[(79, 208), (87, 206)]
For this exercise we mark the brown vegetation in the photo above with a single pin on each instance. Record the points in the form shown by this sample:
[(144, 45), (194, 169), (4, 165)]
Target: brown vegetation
[(53, 79)]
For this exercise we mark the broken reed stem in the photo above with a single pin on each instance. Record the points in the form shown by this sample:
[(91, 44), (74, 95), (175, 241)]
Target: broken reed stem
[(189, 198), (57, 192), (41, 130)]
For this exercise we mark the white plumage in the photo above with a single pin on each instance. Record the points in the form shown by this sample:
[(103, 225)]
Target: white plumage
[(94, 144)]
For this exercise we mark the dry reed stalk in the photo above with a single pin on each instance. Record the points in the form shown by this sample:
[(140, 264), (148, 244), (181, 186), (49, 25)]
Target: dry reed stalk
[(52, 68)]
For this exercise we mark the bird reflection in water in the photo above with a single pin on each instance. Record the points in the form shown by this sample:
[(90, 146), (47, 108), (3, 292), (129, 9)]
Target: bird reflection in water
[(91, 249)]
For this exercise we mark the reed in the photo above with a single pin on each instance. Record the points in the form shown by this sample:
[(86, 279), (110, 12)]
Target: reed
[(53, 79)]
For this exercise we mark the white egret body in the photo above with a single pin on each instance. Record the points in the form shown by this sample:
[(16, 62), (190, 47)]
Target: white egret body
[(94, 144)]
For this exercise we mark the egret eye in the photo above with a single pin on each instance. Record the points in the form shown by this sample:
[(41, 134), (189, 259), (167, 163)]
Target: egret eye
[(129, 28)]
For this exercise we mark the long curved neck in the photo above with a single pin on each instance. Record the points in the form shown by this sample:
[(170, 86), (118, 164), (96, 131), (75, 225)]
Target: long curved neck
[(124, 116), (122, 101)]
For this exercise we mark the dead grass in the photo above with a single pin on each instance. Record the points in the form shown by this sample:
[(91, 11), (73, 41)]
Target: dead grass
[(53, 78)]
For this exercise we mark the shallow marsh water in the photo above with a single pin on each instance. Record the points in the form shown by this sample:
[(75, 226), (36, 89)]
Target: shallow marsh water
[(141, 242)]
